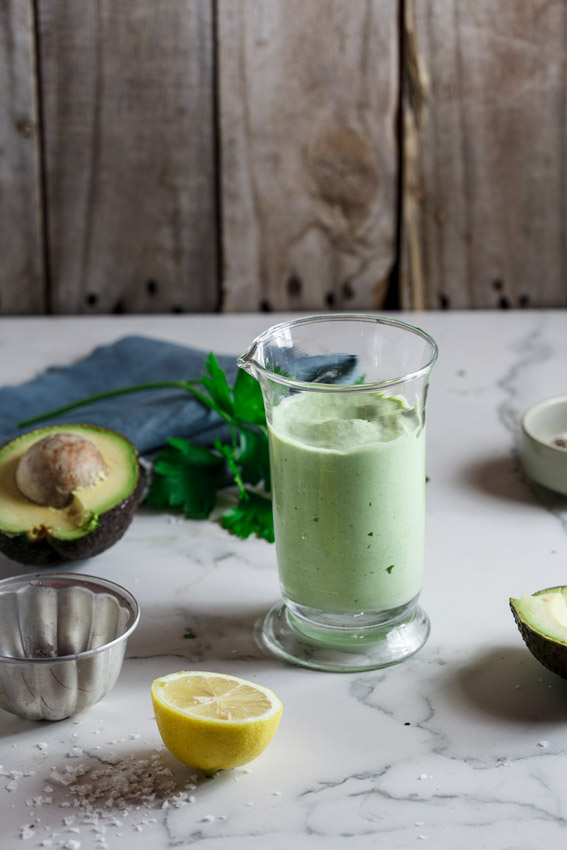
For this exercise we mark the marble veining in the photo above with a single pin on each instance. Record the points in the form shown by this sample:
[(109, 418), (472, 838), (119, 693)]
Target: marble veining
[(463, 747)]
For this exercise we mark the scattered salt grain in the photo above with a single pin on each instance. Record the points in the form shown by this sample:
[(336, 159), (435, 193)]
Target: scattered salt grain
[(208, 819), (12, 786), (27, 831), (75, 752), (72, 845), (543, 743), (42, 746), (425, 776), (276, 793), (420, 823)]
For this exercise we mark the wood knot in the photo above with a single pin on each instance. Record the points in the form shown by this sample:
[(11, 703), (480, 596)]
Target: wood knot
[(342, 164), (25, 127)]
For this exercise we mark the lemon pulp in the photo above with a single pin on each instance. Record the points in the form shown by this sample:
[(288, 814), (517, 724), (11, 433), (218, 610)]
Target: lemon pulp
[(214, 721)]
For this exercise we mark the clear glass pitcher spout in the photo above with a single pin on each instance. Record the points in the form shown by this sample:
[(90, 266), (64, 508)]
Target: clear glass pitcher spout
[(340, 350)]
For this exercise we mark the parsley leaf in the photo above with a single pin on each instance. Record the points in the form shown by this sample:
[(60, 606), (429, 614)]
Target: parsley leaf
[(251, 516), (217, 386), (254, 457), (186, 477), (248, 401), (189, 476)]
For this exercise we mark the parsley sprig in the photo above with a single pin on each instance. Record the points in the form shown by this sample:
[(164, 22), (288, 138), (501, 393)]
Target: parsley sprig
[(188, 477)]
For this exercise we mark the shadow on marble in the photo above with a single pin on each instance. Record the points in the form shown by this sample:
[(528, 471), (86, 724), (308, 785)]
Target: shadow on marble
[(507, 682), (198, 636), (11, 724), (503, 476)]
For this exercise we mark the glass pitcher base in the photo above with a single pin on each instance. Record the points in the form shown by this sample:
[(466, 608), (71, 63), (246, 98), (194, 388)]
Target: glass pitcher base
[(339, 651)]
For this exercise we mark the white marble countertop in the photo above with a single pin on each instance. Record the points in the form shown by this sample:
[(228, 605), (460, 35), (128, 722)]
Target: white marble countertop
[(463, 746)]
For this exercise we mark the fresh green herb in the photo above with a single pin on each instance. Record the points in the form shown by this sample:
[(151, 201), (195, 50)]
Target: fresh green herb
[(390, 568), (252, 515), (189, 634), (192, 478), (188, 477)]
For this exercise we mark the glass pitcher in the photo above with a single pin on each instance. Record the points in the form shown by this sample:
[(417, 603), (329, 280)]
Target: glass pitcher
[(345, 399)]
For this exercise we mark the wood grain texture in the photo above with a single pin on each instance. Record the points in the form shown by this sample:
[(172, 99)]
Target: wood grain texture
[(22, 279), (128, 107), (308, 103), (485, 154)]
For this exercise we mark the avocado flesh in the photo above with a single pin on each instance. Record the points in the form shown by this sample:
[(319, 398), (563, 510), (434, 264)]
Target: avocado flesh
[(34, 534), (542, 621)]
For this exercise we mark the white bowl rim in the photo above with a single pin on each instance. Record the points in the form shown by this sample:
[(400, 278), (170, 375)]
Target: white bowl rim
[(535, 408), (74, 579)]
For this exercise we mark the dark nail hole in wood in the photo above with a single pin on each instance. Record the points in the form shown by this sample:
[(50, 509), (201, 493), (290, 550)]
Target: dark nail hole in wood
[(177, 309), (348, 291), (497, 285), (151, 287), (294, 285), (504, 303), (444, 301), (330, 299), (524, 300), (265, 306), (119, 307), (91, 299)]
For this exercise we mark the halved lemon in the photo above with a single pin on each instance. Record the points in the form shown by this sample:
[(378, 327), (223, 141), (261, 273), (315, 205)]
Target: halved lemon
[(214, 721)]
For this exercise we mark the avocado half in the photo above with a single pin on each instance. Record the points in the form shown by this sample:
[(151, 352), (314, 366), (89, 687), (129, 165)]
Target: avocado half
[(96, 513), (542, 621)]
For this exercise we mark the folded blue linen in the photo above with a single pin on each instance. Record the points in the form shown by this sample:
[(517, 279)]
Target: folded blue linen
[(147, 418)]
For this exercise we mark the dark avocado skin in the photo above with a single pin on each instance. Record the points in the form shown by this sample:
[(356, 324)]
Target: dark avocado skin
[(50, 552), (548, 652)]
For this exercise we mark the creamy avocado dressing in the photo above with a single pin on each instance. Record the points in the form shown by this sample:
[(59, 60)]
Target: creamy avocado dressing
[(349, 500)]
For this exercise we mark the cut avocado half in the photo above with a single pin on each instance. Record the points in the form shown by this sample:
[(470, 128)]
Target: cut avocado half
[(542, 621), (67, 492)]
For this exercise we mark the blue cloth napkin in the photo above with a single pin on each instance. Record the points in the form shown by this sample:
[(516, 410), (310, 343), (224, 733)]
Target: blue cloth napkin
[(146, 418), (149, 417)]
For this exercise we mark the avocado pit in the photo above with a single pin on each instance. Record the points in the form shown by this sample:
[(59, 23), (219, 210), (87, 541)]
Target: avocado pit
[(57, 465)]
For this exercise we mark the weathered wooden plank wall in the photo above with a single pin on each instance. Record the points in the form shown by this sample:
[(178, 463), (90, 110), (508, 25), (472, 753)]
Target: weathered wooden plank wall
[(22, 273), (129, 155), (485, 154), (309, 95), (195, 155)]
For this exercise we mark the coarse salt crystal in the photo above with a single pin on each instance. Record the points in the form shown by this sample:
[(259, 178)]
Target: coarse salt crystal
[(543, 743), (425, 776), (72, 844), (208, 818), (27, 831)]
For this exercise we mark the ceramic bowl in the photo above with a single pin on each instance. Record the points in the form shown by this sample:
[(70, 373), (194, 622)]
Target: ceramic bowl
[(62, 642), (543, 445)]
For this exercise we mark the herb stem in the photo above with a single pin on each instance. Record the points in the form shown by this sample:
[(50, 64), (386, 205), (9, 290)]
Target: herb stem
[(184, 385)]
